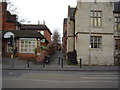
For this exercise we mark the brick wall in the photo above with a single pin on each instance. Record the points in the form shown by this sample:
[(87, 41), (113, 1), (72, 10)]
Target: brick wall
[(6, 25), (47, 35), (65, 37), (0, 16)]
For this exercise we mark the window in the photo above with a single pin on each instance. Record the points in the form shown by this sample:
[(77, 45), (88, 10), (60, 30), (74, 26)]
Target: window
[(117, 44), (27, 45), (96, 41), (117, 23), (96, 19), (42, 32)]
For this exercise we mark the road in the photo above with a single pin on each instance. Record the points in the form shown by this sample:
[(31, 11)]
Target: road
[(59, 79)]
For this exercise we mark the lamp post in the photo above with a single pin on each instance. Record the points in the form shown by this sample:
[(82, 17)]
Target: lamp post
[(89, 33), (11, 37)]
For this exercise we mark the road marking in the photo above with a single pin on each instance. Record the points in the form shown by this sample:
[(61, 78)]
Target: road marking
[(96, 77), (53, 81)]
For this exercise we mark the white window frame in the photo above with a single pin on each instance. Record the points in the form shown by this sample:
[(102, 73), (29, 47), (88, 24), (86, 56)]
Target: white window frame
[(42, 32), (27, 39)]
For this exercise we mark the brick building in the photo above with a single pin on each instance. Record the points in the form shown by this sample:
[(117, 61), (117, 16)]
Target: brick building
[(9, 22), (64, 38), (0, 16), (42, 28), (27, 38), (25, 43)]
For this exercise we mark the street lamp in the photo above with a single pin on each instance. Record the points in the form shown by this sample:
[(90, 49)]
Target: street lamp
[(89, 33)]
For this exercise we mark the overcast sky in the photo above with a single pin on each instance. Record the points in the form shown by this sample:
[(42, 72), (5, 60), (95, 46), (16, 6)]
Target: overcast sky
[(51, 11)]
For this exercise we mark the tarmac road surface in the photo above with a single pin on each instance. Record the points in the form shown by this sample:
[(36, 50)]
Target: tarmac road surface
[(59, 79)]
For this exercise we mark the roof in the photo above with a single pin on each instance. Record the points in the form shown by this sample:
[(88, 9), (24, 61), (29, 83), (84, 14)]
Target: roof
[(34, 27), (71, 12), (10, 18), (24, 34), (117, 7)]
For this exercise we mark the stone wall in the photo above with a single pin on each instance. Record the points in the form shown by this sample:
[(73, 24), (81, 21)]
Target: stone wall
[(104, 55)]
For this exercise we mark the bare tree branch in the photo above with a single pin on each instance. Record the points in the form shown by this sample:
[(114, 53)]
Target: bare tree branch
[(56, 38)]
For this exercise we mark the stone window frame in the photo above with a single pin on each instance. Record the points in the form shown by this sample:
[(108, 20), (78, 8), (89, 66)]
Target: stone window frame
[(96, 42), (117, 44), (96, 18), (117, 23)]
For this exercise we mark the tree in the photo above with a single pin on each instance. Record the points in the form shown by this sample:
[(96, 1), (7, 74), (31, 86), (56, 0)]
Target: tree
[(11, 7), (56, 38), (14, 10)]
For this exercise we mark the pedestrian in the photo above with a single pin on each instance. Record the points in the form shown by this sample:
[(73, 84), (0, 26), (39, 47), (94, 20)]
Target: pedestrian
[(59, 49)]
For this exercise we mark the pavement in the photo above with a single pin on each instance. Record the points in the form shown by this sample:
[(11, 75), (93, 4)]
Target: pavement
[(18, 64)]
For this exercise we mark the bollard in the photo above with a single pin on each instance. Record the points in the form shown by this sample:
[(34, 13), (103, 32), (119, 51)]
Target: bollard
[(62, 63), (80, 63), (59, 61), (43, 63), (28, 63)]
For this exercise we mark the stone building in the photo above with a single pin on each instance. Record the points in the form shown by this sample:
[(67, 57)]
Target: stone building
[(117, 32), (94, 32), (91, 32), (70, 29)]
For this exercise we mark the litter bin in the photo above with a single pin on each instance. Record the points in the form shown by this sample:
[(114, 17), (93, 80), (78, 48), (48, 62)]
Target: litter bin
[(46, 59)]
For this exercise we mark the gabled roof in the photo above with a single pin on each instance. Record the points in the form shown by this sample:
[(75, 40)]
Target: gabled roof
[(24, 34), (34, 27), (117, 7)]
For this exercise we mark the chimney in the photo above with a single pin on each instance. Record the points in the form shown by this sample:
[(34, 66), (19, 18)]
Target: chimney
[(4, 6)]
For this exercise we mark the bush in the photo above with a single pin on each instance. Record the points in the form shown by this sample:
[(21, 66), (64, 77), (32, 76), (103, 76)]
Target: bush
[(72, 57)]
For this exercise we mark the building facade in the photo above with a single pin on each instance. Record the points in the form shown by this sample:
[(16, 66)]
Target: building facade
[(9, 21), (117, 32), (70, 29), (92, 32), (64, 39), (0, 15), (41, 28), (29, 41)]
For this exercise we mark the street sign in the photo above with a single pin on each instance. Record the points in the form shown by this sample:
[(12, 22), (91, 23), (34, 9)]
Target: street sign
[(8, 35), (43, 40)]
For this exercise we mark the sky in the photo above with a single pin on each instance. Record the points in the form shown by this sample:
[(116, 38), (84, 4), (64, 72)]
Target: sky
[(51, 11)]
